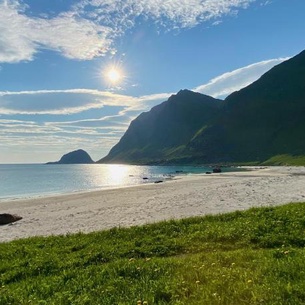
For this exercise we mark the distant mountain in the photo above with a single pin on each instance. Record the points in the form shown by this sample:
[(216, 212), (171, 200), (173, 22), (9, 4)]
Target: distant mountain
[(264, 121), (75, 157), (162, 133)]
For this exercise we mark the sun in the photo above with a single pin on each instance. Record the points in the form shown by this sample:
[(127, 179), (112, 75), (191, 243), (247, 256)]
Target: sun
[(113, 75)]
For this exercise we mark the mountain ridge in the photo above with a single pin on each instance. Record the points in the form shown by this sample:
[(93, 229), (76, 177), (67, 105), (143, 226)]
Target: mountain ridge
[(255, 124), (155, 132)]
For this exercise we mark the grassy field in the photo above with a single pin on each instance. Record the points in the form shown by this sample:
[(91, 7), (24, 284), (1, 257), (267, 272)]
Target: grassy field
[(251, 257)]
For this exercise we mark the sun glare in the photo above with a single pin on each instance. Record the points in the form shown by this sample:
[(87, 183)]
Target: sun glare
[(117, 173), (113, 75)]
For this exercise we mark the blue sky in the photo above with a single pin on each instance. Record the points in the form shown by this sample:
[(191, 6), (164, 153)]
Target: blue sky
[(56, 90)]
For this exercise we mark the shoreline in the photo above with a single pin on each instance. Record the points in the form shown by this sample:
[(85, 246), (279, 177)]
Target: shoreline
[(60, 194), (185, 196), (165, 178), (85, 185)]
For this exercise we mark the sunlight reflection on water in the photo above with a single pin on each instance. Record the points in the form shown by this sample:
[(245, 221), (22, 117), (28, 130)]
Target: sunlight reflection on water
[(116, 174), (31, 180)]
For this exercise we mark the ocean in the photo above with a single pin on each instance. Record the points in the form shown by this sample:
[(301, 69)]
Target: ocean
[(18, 181)]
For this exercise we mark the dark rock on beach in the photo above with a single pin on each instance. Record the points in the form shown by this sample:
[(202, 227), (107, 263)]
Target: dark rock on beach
[(8, 218), (159, 181)]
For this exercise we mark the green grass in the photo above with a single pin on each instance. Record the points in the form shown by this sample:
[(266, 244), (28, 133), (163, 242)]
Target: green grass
[(286, 160), (199, 132), (251, 257)]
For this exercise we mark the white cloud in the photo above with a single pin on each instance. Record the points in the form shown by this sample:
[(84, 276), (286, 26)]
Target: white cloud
[(229, 82), (89, 29), (22, 36), (267, 2), (116, 123), (35, 139), (47, 102), (64, 102), (174, 13), (97, 136), (74, 129)]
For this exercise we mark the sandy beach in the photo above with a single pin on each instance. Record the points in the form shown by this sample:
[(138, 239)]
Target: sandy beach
[(183, 197)]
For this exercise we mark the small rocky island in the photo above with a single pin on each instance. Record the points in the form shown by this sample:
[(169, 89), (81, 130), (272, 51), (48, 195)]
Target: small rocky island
[(75, 157)]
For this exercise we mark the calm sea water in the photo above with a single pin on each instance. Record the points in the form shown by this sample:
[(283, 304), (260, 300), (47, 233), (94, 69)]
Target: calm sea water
[(32, 180)]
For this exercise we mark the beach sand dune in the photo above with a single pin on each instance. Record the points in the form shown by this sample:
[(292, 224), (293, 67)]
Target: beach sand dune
[(184, 197)]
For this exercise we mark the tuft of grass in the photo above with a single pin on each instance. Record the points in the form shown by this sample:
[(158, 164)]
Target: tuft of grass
[(251, 257)]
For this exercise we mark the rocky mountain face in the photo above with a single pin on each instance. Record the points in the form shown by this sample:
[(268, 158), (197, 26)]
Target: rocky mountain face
[(75, 157), (263, 120), (162, 133)]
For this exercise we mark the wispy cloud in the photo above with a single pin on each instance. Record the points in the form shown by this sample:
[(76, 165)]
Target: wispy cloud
[(26, 135), (173, 13), (90, 28), (229, 82), (64, 102), (34, 128)]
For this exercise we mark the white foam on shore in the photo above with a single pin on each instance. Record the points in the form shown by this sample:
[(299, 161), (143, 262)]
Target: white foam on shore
[(192, 195)]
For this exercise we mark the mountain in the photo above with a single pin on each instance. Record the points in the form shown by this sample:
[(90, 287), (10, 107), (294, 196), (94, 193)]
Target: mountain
[(162, 133), (75, 157), (263, 121)]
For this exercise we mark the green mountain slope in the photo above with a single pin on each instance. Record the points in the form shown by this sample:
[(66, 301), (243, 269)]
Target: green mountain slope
[(264, 121), (162, 133)]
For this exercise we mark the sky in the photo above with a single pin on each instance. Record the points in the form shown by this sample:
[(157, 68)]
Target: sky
[(74, 73)]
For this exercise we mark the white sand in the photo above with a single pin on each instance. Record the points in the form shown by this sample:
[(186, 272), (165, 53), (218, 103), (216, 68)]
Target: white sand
[(188, 196)]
